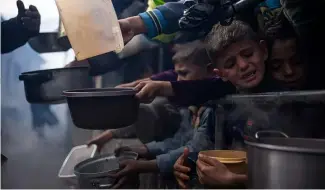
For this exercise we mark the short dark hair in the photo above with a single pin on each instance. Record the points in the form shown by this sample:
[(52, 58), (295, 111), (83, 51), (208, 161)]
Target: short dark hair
[(193, 52), (221, 37)]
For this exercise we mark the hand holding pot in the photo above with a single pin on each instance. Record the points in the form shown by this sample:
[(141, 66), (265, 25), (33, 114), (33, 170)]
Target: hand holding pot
[(131, 26), (181, 171), (148, 90), (213, 173), (132, 84), (101, 139), (129, 167)]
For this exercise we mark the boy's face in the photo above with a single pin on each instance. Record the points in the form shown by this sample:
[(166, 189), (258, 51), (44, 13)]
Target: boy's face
[(285, 65), (242, 63), (190, 71)]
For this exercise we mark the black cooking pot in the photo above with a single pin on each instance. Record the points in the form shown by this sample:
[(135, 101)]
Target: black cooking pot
[(105, 108), (286, 163), (46, 86)]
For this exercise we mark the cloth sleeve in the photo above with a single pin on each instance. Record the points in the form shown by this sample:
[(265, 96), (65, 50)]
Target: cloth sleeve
[(125, 132), (188, 93), (163, 19), (201, 140), (13, 35)]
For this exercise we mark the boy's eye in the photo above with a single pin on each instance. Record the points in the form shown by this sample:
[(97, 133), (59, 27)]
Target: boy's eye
[(230, 63), (295, 60), (247, 52), (275, 64)]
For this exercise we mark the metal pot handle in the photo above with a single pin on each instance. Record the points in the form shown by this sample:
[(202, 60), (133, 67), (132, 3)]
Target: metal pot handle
[(42, 76), (257, 134), (104, 186)]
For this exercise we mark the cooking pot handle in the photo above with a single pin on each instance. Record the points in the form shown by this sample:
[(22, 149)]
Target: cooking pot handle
[(257, 134), (42, 76), (104, 186)]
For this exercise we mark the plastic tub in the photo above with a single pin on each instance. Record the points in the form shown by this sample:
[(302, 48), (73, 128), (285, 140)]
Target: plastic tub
[(235, 161), (76, 155)]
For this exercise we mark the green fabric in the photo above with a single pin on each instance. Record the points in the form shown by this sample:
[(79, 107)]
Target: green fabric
[(163, 38)]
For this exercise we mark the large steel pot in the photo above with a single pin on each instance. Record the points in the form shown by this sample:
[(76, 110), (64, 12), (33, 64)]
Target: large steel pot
[(105, 108), (286, 163), (94, 173), (46, 86)]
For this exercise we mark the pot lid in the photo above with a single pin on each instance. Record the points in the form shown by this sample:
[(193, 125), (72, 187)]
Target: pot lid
[(99, 92), (298, 145)]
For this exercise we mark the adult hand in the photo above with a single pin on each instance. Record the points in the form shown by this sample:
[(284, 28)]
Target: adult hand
[(148, 90), (211, 172), (30, 18), (132, 84), (101, 139), (130, 27), (180, 170), (141, 150)]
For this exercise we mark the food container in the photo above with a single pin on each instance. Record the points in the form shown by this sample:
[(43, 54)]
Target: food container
[(104, 108), (76, 155), (46, 86), (234, 160), (94, 173), (286, 163)]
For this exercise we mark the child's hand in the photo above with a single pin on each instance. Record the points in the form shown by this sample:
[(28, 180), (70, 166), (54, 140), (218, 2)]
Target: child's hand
[(101, 139), (148, 90), (180, 171), (130, 167), (211, 172), (132, 84)]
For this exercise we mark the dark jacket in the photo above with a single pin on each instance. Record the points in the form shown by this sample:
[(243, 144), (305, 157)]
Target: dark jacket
[(13, 35)]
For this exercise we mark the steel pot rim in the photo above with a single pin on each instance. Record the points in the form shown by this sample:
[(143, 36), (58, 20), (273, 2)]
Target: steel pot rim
[(99, 92), (288, 148), (97, 174), (57, 69)]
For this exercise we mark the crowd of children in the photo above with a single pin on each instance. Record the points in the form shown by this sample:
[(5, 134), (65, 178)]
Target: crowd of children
[(231, 59)]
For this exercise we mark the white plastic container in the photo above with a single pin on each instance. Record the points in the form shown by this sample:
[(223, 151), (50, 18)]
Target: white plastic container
[(76, 155)]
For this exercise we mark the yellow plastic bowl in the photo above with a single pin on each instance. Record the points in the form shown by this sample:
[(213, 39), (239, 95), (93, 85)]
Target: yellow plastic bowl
[(236, 161)]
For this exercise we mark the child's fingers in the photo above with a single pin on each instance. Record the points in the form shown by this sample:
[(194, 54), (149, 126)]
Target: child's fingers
[(181, 176), (181, 168), (181, 184)]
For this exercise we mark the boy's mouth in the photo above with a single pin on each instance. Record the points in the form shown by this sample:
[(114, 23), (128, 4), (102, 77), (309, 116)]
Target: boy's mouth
[(249, 76)]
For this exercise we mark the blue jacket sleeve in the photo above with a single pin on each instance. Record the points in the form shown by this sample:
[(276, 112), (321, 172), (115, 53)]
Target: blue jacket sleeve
[(202, 140), (162, 147), (163, 19)]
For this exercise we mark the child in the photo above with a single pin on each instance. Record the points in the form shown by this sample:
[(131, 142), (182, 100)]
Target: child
[(191, 62), (285, 63), (240, 58)]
